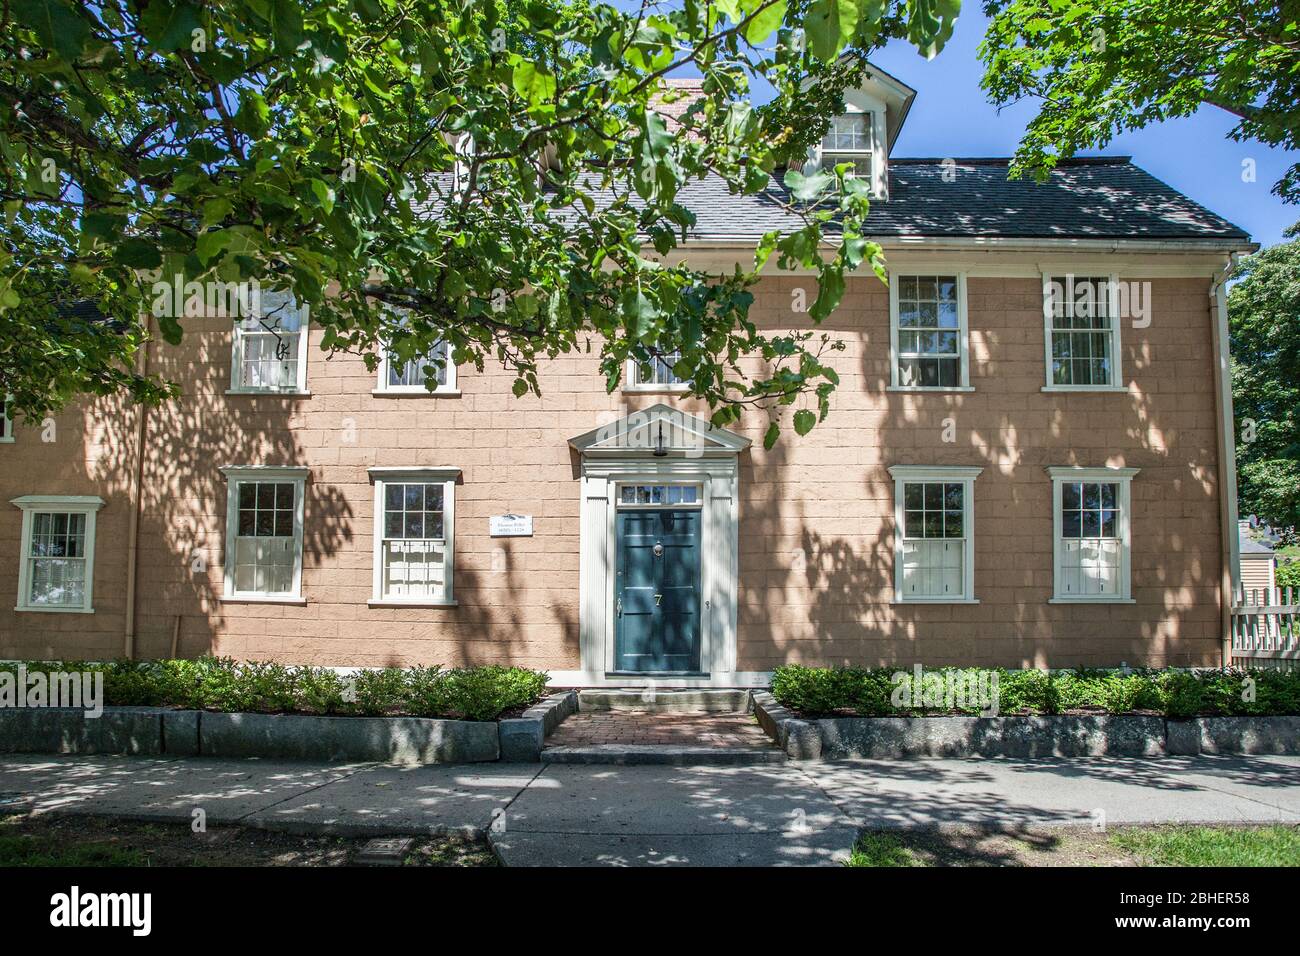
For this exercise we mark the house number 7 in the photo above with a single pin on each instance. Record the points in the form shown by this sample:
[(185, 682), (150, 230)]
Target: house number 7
[(658, 598)]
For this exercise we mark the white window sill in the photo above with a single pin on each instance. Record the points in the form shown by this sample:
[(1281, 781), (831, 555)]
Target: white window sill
[(656, 389), (54, 610), (262, 599), (393, 602), (929, 388), (415, 393), (1091, 600), (1084, 388), (269, 392), (7, 441), (935, 601)]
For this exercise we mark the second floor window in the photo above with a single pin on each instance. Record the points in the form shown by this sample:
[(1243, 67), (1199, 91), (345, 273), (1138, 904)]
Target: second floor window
[(657, 374), (928, 329), (1082, 330), (6, 420), (416, 375), (270, 347)]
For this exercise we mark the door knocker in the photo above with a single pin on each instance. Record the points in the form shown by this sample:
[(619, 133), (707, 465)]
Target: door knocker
[(658, 549)]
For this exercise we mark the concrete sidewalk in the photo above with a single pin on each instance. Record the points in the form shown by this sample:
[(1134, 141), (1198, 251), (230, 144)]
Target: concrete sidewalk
[(569, 815)]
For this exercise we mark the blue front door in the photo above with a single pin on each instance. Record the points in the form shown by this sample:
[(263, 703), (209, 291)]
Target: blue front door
[(657, 590)]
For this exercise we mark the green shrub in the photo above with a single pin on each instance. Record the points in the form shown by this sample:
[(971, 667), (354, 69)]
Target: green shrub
[(222, 684), (1173, 693)]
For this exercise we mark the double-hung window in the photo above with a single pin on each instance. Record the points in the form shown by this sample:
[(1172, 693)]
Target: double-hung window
[(264, 524), (1091, 513), (1081, 330), (6, 419), (414, 535), (934, 543), (657, 375), (850, 139), (269, 353), (56, 570), (928, 331)]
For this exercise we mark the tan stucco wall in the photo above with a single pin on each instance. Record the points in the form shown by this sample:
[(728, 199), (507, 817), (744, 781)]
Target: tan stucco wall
[(816, 545)]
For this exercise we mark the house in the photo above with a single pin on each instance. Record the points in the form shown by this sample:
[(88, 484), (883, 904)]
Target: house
[(1027, 463), (1258, 567)]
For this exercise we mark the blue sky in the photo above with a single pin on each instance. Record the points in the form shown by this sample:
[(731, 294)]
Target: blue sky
[(952, 117)]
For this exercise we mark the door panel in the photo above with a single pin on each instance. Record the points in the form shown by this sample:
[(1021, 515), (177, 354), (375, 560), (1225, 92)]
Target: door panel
[(657, 596)]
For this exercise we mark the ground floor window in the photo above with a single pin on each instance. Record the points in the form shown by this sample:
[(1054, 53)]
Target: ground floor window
[(264, 532), (414, 519), (1091, 527), (934, 539), (57, 562)]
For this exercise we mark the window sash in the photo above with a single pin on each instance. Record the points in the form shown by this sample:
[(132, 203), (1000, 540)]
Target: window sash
[(928, 330), (1082, 331), (660, 369), (6, 421), (413, 539), (268, 347), (1091, 514), (265, 537), (411, 375), (56, 557)]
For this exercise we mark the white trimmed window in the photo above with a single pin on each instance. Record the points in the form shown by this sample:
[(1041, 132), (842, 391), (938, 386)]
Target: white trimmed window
[(1090, 518), (1081, 330), (57, 563), (412, 377), (414, 535), (269, 353), (264, 523), (934, 541), (849, 139), (6, 420), (658, 376), (927, 331)]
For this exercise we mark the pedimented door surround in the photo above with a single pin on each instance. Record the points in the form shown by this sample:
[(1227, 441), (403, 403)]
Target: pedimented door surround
[(689, 450)]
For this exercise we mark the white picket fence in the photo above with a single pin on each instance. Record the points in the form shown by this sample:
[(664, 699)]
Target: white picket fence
[(1266, 628)]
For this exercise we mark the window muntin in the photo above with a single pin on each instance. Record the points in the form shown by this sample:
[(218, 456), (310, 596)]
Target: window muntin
[(414, 532), (1092, 537), (264, 532), (934, 545), (849, 139), (1082, 330), (270, 347), (658, 496), (929, 333), (657, 374), (57, 560)]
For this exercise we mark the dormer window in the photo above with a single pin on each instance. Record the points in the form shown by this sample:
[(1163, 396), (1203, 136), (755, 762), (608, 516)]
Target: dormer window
[(849, 140)]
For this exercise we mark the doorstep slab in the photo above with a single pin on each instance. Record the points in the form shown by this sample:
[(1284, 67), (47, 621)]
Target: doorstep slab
[(663, 754)]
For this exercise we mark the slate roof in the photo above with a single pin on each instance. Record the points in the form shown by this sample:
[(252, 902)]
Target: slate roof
[(1102, 198)]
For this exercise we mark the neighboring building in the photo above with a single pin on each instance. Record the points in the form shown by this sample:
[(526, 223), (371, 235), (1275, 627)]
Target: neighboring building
[(1027, 463), (1258, 567)]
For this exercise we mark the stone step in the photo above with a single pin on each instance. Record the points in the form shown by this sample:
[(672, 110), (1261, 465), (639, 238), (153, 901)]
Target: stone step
[(664, 754), (690, 700)]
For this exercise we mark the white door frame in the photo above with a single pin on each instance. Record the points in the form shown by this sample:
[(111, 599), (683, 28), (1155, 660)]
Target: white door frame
[(608, 462)]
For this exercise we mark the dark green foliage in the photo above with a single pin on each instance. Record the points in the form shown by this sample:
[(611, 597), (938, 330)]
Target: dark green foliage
[(1174, 693), (222, 684)]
